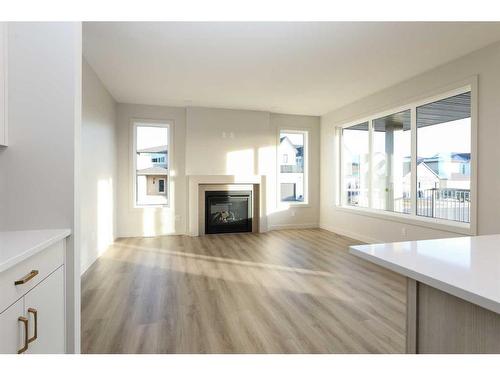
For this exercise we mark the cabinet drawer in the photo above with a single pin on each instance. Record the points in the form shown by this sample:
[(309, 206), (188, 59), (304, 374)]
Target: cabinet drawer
[(45, 262)]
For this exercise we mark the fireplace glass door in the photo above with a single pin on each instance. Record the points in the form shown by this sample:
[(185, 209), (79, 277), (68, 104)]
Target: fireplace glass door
[(228, 211)]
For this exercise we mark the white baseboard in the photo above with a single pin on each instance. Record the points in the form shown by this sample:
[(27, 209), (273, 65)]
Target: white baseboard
[(136, 235), (293, 226), (354, 235)]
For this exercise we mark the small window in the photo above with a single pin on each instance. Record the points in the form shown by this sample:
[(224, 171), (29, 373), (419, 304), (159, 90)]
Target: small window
[(151, 171), (293, 166)]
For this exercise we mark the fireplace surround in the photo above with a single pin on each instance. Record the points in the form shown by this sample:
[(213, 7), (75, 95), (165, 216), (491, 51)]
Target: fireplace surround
[(199, 185)]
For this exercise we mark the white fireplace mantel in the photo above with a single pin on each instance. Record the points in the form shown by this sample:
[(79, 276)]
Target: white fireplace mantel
[(194, 182)]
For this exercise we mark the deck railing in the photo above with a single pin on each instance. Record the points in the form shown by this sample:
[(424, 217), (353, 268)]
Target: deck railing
[(291, 169), (450, 204), (446, 203)]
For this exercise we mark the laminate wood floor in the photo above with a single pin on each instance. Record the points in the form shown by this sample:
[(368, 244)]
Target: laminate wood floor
[(289, 291)]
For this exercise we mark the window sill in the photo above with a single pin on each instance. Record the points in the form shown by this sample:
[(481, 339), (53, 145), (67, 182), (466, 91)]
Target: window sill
[(427, 222), (150, 206), (294, 204)]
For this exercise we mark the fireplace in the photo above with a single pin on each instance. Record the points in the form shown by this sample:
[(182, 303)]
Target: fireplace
[(228, 211)]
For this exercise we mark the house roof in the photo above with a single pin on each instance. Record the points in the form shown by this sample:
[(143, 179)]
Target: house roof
[(154, 150), (153, 171), (298, 148), (423, 164), (453, 156)]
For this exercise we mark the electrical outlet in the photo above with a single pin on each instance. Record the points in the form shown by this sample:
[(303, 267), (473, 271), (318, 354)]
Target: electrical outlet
[(292, 213), (178, 218), (403, 231)]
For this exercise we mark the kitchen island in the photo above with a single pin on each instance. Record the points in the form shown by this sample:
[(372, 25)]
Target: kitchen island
[(453, 291)]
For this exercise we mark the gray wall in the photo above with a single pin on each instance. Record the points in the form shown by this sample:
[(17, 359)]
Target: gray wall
[(40, 165), (99, 168), (485, 64)]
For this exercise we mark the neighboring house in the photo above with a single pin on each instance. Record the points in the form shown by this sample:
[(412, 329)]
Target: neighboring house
[(453, 169), (291, 159), (442, 171), (152, 171)]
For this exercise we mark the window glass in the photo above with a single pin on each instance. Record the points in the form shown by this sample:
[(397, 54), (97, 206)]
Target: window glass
[(391, 179), (151, 151), (292, 184), (355, 160), (443, 158)]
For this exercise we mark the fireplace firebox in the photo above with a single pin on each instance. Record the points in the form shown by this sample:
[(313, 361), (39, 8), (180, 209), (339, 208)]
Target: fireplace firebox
[(228, 211)]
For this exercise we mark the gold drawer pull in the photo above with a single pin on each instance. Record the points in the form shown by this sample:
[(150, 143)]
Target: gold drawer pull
[(35, 316), (26, 278), (23, 320)]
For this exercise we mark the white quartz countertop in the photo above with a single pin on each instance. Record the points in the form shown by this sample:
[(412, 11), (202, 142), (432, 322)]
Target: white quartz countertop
[(16, 246), (466, 267)]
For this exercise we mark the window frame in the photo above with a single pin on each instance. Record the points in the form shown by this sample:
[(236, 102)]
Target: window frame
[(469, 85), (135, 123), (305, 133)]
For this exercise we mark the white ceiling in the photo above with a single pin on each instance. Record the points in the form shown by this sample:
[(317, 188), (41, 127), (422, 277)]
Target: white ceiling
[(301, 68)]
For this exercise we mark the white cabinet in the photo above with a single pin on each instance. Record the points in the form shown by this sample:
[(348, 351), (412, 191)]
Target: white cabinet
[(12, 329), (3, 83), (32, 299), (46, 300), (41, 312)]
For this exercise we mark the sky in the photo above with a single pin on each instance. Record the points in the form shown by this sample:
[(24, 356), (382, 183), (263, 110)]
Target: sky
[(295, 138), (151, 136), (453, 136)]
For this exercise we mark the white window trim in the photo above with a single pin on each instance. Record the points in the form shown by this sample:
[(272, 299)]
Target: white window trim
[(467, 85), (134, 123), (305, 203)]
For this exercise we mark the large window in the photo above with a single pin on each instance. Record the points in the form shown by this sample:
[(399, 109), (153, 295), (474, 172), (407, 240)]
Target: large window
[(443, 158), (151, 149), (293, 166), (391, 180), (356, 164), (380, 172)]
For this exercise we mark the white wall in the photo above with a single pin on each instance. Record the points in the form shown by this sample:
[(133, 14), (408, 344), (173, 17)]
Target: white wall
[(227, 142), (483, 63), (40, 165), (132, 222), (99, 168), (211, 141), (240, 142)]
